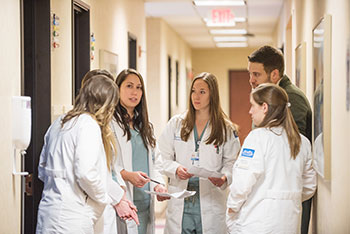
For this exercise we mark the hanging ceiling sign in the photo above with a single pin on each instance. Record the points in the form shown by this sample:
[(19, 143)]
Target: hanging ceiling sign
[(221, 17)]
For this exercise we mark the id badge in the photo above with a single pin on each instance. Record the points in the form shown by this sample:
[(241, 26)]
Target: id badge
[(195, 158)]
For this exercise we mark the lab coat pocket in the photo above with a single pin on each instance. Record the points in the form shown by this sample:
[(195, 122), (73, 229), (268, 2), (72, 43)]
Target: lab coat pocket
[(181, 150), (55, 179), (94, 209), (54, 173), (213, 157), (282, 207)]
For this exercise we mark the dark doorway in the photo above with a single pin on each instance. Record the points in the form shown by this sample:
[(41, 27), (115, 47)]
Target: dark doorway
[(81, 43), (35, 24), (169, 87), (177, 83), (132, 41), (239, 102)]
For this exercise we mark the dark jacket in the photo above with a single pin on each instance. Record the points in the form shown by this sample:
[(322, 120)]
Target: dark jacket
[(300, 107)]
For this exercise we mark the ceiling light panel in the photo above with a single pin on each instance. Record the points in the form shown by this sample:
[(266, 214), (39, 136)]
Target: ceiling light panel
[(228, 31), (231, 44), (219, 3), (229, 39), (240, 19), (211, 24)]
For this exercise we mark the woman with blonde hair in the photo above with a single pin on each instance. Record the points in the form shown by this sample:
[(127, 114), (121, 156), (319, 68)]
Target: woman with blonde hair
[(76, 161), (203, 136), (273, 173)]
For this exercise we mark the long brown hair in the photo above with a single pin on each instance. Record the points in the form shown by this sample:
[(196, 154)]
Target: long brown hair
[(98, 97), (219, 122), (140, 120), (278, 113)]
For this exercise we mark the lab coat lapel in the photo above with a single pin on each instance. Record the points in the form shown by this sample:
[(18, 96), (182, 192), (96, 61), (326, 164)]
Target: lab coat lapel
[(125, 147)]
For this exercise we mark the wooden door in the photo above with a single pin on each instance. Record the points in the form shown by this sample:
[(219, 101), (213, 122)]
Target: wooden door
[(239, 101)]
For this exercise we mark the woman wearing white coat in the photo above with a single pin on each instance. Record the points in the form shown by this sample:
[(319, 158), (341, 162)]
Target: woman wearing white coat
[(203, 136), (136, 161), (75, 162), (273, 172)]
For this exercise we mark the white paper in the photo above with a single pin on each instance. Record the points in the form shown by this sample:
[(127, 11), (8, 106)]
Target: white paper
[(202, 172), (178, 195)]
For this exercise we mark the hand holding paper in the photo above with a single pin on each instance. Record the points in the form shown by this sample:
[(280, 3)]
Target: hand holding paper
[(177, 195), (205, 173)]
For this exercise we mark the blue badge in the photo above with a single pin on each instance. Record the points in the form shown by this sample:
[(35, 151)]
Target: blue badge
[(247, 152)]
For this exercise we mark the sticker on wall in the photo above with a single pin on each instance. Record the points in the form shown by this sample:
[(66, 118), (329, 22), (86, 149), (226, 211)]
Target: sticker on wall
[(92, 53), (55, 31)]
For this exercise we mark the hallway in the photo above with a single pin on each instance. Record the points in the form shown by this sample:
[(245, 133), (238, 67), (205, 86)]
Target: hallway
[(48, 44)]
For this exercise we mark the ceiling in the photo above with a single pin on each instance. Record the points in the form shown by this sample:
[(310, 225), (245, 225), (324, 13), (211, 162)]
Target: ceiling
[(189, 20)]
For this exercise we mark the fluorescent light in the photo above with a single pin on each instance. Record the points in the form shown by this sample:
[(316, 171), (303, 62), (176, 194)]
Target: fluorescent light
[(318, 31), (317, 44), (228, 31), (240, 19), (232, 24), (211, 24), (232, 44), (318, 39), (219, 3), (228, 39)]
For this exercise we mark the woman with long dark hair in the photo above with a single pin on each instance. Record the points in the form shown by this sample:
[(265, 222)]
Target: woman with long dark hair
[(137, 162), (202, 136)]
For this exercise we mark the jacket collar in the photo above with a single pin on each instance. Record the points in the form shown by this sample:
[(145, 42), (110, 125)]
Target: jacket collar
[(284, 82)]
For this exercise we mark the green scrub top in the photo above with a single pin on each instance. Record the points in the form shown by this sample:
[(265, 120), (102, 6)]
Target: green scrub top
[(140, 163), (191, 220)]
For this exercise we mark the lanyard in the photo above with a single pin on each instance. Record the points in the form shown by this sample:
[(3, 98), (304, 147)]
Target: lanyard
[(196, 140), (195, 155)]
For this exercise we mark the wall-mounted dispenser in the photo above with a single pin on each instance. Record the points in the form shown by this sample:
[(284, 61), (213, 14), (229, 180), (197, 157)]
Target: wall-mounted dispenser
[(21, 127)]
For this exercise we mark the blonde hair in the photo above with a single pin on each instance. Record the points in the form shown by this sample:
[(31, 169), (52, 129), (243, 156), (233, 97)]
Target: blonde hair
[(97, 97), (219, 121), (278, 113)]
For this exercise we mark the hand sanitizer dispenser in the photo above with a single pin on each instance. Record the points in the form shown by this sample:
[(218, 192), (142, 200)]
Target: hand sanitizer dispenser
[(21, 127)]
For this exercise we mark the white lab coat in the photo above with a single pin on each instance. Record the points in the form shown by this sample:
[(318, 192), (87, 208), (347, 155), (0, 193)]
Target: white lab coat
[(268, 185), (124, 161), (176, 152), (77, 183)]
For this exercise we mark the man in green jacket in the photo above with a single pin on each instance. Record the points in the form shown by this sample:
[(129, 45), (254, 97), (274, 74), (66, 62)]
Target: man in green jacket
[(266, 65)]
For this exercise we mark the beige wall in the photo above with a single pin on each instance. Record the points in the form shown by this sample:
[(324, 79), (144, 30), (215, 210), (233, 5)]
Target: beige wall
[(219, 62), (332, 212), (110, 21), (61, 60), (10, 83), (162, 42)]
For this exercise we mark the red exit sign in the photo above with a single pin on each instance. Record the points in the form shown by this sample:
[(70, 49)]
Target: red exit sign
[(222, 16)]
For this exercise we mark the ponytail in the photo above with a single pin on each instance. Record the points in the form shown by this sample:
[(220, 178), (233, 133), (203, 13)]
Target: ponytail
[(292, 131), (278, 113)]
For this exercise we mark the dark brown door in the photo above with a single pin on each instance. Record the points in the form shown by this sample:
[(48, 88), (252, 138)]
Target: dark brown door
[(239, 102), (36, 72), (132, 51), (81, 43)]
